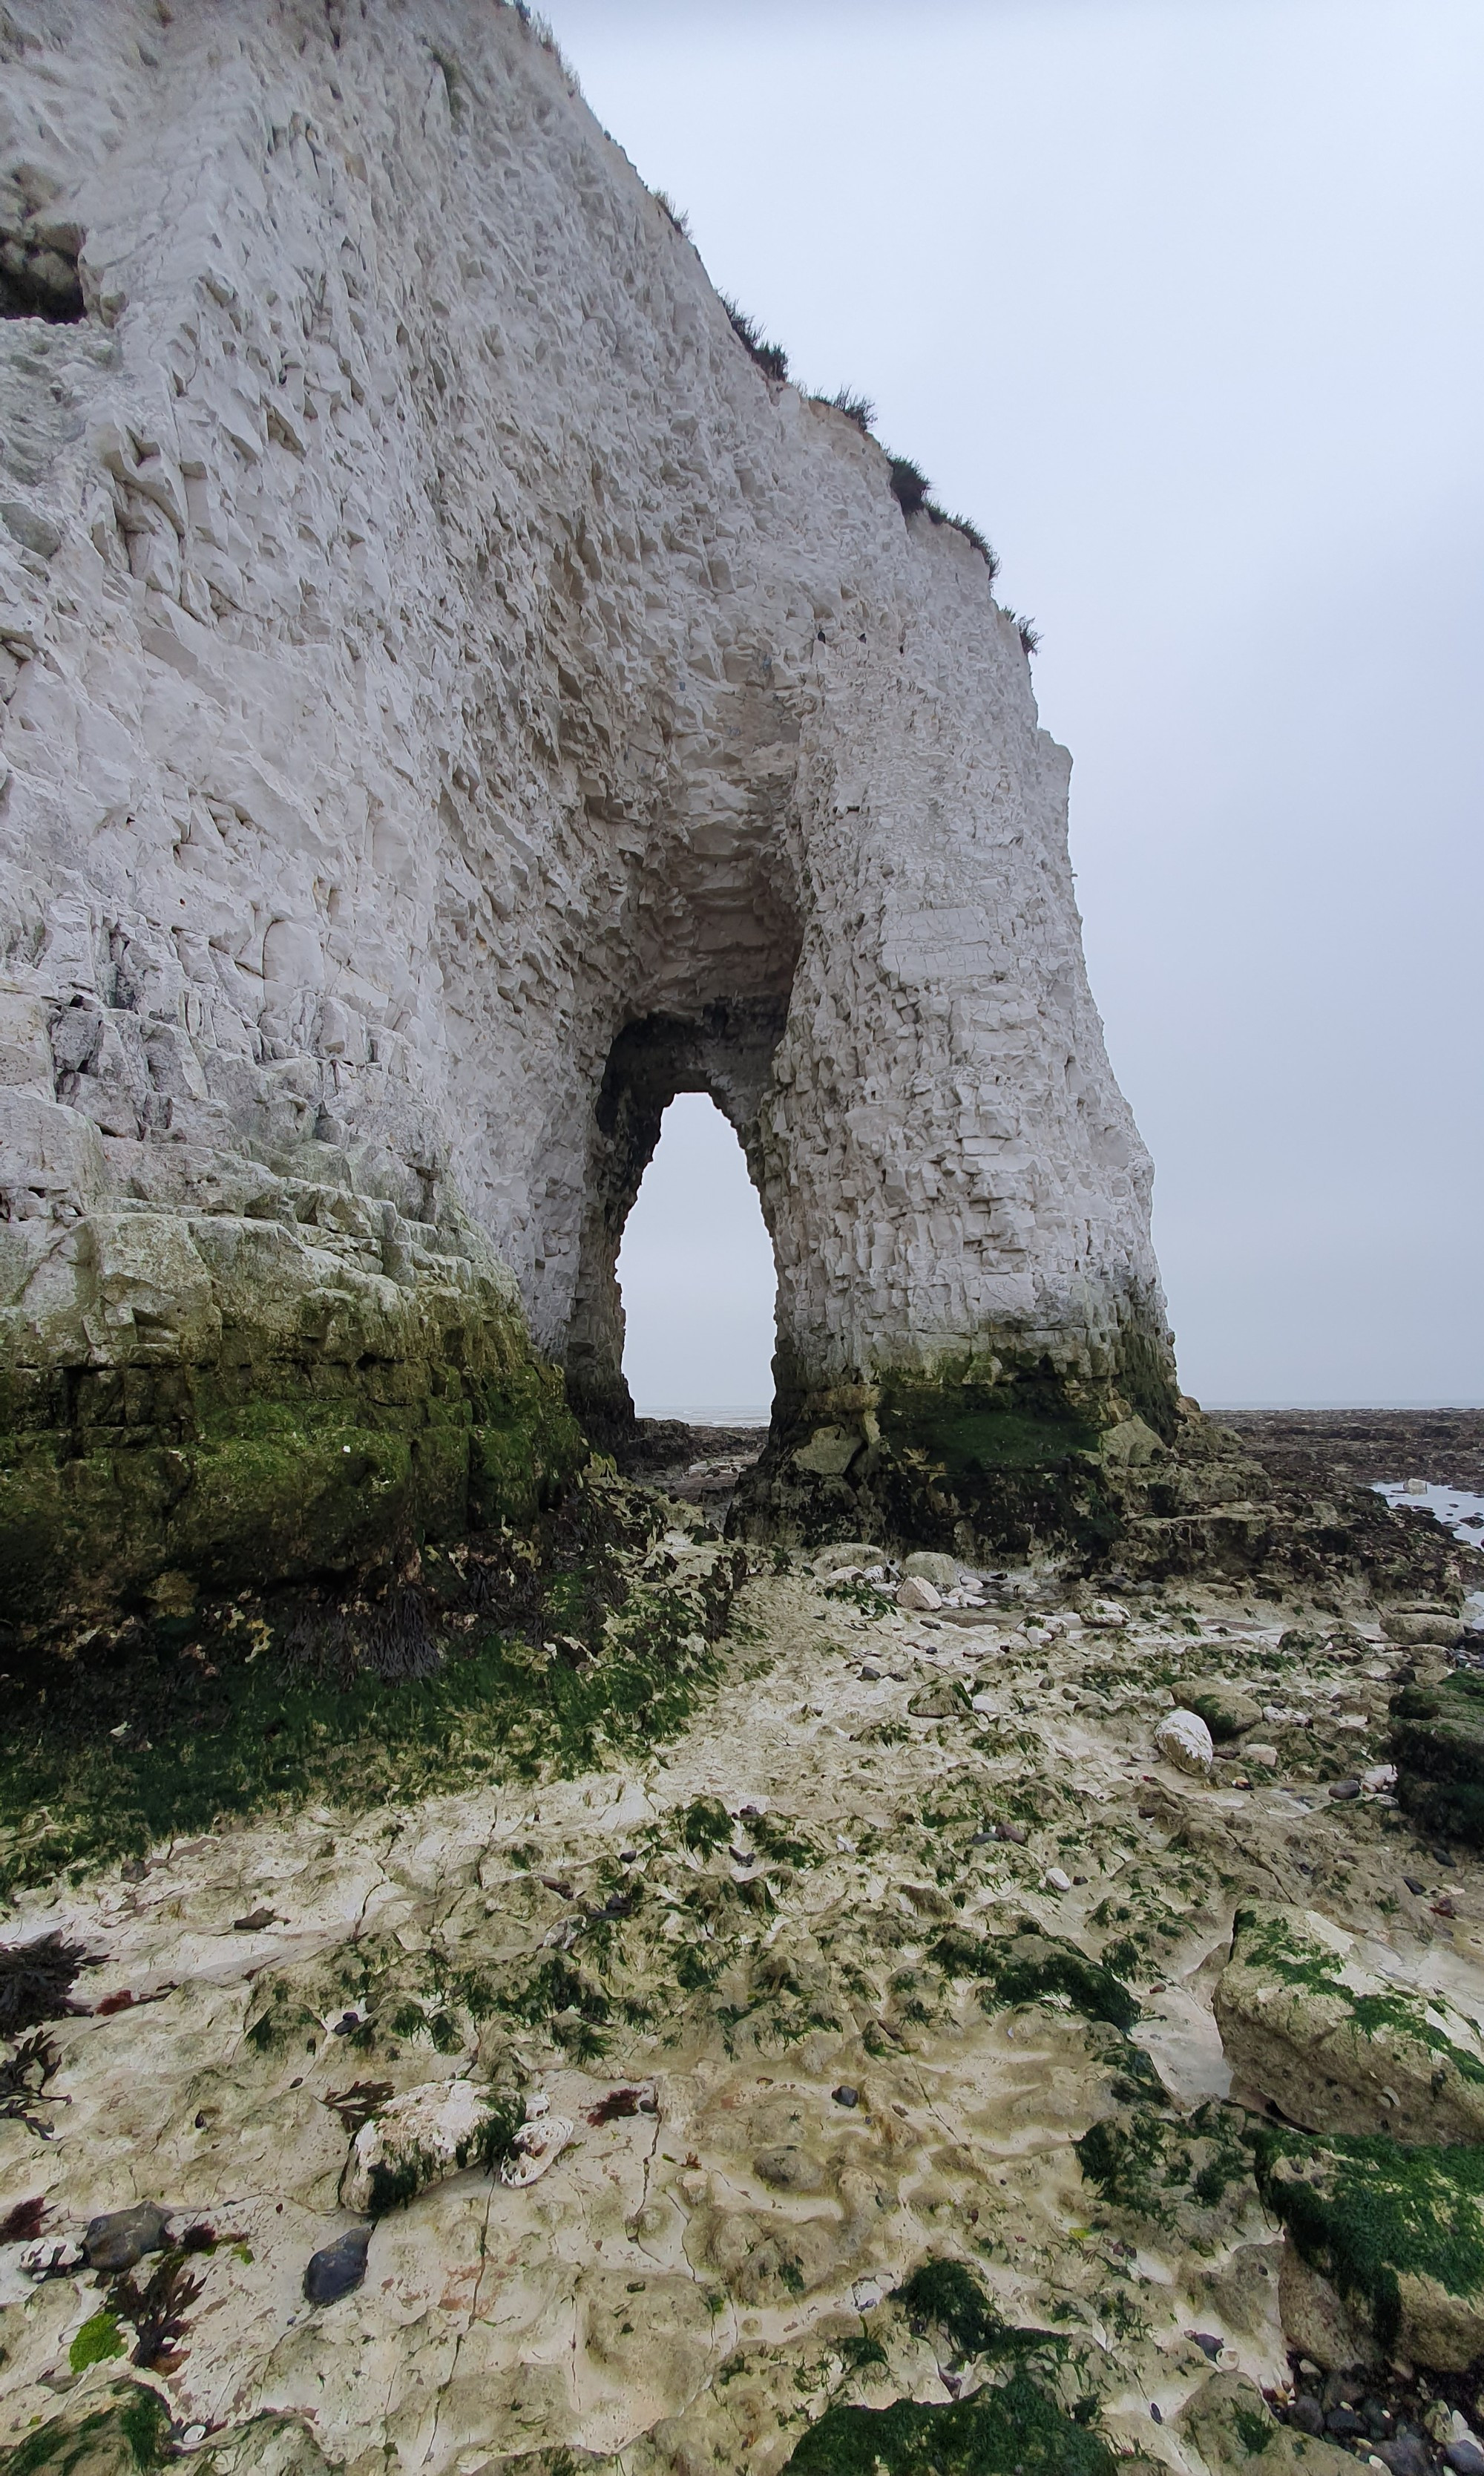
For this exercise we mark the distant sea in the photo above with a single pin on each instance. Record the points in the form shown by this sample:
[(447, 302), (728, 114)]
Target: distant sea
[(708, 1414)]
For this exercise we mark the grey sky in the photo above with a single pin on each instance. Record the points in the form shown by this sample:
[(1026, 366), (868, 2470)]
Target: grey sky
[(1180, 300)]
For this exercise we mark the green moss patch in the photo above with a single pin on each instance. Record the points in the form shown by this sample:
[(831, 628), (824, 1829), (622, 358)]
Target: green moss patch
[(1368, 2212), (1178, 2174), (1009, 2430), (1029, 1968), (127, 2430), (159, 1728)]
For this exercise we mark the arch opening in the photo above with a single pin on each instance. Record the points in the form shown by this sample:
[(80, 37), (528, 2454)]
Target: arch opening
[(698, 1283), (723, 1055)]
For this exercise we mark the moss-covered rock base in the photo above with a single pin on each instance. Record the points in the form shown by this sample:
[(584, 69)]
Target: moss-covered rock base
[(1438, 1746), (213, 1401)]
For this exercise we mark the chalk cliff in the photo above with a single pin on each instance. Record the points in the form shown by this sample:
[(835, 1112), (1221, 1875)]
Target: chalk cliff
[(455, 699)]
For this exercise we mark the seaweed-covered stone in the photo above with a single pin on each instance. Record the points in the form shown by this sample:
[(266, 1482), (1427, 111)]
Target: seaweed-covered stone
[(1437, 1748), (1011, 2427), (123, 2430), (1225, 1709), (1396, 2233), (419, 2139), (1232, 2426), (1336, 2048), (942, 1698)]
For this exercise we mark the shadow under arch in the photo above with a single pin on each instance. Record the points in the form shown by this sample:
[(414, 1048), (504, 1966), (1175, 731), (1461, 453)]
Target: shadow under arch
[(725, 1050)]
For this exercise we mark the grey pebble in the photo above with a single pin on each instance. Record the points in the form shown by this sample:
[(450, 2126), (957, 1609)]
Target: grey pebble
[(120, 2238), (338, 2269)]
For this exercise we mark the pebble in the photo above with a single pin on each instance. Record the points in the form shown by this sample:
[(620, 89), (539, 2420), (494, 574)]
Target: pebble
[(1345, 1788), (1059, 1881), (338, 2269), (1015, 1832), (870, 1675), (1185, 1741), (1465, 2457), (917, 1594), (845, 2096), (120, 2238), (1416, 1888), (1406, 2456), (1307, 2415)]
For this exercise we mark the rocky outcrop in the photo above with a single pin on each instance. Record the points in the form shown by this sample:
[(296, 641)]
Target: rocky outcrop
[(1383, 2249), (455, 699), (1438, 1744), (1337, 2048)]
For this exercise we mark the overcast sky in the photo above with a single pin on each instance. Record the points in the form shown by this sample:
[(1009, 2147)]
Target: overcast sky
[(1180, 300)]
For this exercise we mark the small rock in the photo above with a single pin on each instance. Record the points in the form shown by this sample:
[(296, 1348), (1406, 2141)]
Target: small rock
[(928, 1566), (917, 1594), (1307, 2415), (1380, 1776), (1184, 1740), (1407, 2455), (846, 1554), (845, 2096), (1465, 2457), (1015, 1832), (1345, 1788), (1059, 1881), (538, 2143), (868, 1674), (338, 2269), (432, 2130), (1227, 1712), (1416, 1888), (121, 2237), (254, 1920), (1344, 2422)]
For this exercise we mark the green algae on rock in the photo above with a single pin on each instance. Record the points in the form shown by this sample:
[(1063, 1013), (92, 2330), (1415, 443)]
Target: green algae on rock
[(122, 2430), (556, 1650), (1232, 2427), (220, 1402), (1337, 2048), (1397, 2231), (1227, 1712), (1005, 2429), (1437, 1748), (1186, 2176), (1030, 1967)]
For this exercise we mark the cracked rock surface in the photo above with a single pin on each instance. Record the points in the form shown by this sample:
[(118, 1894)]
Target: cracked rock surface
[(829, 1987)]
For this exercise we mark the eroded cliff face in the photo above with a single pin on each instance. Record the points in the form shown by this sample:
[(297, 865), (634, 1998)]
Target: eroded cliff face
[(456, 700)]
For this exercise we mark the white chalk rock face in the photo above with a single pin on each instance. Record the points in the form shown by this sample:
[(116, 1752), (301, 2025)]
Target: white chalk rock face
[(454, 697), (1185, 1741)]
